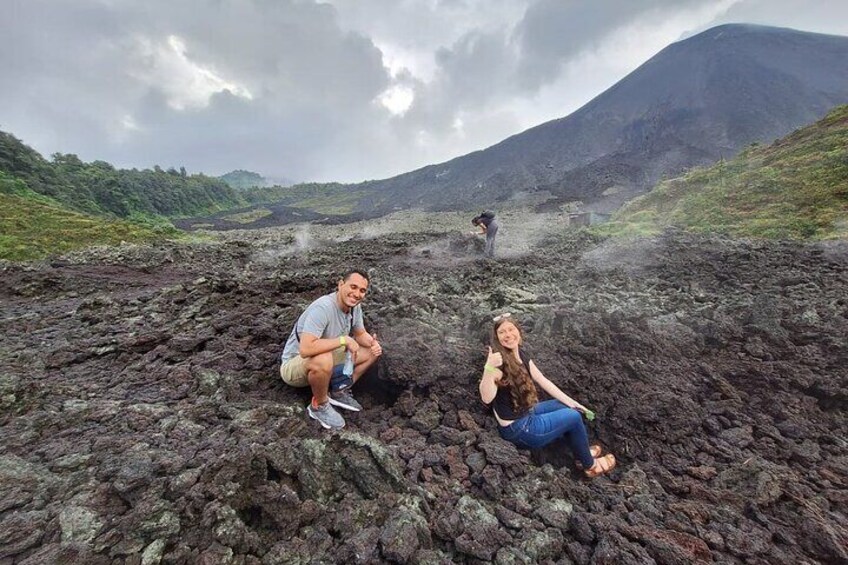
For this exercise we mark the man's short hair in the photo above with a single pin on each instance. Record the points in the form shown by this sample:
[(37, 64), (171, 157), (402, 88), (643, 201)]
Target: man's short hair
[(359, 272)]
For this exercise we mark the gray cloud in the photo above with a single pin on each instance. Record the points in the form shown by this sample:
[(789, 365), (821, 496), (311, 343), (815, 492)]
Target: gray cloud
[(81, 75), (293, 87), (819, 16), (552, 32)]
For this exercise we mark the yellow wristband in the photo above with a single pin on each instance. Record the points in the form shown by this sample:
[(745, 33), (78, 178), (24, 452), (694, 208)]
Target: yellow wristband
[(342, 341), (488, 367)]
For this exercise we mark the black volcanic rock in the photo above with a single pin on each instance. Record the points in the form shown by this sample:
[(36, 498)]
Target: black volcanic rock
[(694, 102), (144, 421)]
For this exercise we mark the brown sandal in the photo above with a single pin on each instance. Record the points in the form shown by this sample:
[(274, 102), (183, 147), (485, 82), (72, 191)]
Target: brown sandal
[(594, 450), (602, 465)]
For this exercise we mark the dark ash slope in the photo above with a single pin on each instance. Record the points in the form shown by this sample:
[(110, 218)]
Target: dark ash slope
[(695, 101)]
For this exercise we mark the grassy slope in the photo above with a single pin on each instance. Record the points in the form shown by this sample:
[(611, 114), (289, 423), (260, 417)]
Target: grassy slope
[(325, 198), (796, 188), (33, 226)]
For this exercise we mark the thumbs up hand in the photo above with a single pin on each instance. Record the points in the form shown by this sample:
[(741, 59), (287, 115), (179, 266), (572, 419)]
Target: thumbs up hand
[(376, 348), (495, 359)]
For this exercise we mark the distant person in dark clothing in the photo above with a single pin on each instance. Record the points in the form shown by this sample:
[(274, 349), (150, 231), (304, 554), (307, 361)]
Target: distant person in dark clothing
[(489, 226), (508, 386)]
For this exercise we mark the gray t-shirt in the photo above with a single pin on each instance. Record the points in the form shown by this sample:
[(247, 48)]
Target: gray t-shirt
[(324, 319)]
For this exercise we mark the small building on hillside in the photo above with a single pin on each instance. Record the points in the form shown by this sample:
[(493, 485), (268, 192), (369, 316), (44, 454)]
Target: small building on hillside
[(587, 219)]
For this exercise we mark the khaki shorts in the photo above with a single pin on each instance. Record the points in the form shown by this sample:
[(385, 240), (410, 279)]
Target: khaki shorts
[(294, 372)]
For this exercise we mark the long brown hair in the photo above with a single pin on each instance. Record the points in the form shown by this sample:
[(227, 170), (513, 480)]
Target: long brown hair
[(515, 374)]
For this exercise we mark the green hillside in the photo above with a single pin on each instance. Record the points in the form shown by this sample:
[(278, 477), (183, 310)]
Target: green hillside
[(243, 179), (51, 206), (33, 226), (330, 198), (99, 188), (796, 188)]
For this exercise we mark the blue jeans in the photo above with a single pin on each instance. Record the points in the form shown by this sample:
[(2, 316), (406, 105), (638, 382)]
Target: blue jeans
[(491, 233), (546, 422), (338, 380)]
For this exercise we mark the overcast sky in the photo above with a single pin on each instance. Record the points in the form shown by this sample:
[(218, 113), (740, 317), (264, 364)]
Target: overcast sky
[(342, 90)]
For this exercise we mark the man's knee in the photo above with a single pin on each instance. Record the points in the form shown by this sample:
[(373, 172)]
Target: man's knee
[(368, 361), (364, 356), (320, 366)]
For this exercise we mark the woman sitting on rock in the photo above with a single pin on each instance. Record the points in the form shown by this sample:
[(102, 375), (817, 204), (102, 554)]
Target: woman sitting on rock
[(508, 387)]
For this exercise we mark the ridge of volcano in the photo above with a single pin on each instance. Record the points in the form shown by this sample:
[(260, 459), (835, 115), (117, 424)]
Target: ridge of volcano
[(697, 100)]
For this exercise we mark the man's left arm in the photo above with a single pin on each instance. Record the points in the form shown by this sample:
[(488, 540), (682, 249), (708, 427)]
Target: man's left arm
[(362, 337), (370, 341), (358, 332)]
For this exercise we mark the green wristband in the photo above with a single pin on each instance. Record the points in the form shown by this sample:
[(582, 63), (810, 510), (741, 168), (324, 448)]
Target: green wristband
[(488, 367), (589, 415)]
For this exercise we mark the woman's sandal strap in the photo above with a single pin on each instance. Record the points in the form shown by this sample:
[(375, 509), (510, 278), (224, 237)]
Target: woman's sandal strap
[(604, 464), (595, 451)]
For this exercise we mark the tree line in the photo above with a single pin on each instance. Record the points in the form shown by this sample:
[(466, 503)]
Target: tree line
[(101, 189)]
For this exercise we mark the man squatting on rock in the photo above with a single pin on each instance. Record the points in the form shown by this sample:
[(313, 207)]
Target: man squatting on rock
[(508, 385), (320, 350), (489, 226)]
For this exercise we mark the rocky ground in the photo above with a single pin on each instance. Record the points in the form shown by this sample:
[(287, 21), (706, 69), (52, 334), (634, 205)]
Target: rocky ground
[(143, 419)]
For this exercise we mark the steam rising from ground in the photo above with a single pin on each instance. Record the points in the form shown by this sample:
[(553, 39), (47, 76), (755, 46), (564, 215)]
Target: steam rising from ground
[(631, 256), (835, 250), (520, 234), (521, 230), (277, 244), (371, 231), (302, 239)]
